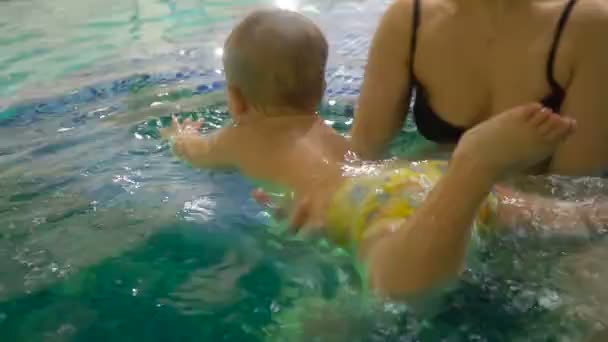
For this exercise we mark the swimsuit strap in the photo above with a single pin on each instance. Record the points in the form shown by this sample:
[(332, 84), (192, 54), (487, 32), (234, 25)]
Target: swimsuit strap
[(556, 39), (552, 54), (414, 36)]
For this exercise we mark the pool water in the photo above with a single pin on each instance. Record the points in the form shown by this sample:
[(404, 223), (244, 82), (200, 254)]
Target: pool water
[(105, 236)]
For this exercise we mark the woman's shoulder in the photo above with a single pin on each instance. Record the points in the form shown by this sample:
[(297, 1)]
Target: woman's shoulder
[(594, 8), (405, 8), (400, 13), (591, 17), (589, 22)]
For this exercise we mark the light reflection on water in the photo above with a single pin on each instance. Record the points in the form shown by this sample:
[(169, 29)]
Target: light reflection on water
[(47, 42)]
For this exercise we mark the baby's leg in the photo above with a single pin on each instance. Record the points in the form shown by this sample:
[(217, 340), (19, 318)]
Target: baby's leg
[(514, 140), (430, 247)]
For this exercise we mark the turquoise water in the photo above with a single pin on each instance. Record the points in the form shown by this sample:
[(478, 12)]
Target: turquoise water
[(105, 236)]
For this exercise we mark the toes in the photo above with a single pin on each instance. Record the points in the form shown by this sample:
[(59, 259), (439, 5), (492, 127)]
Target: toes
[(549, 126), (572, 124), (566, 127), (555, 127), (540, 117), (529, 110)]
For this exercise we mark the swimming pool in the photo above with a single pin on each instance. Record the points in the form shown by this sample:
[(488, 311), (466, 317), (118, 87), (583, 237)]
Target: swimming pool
[(104, 236)]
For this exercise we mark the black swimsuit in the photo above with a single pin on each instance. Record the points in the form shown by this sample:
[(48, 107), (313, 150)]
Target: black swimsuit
[(433, 127)]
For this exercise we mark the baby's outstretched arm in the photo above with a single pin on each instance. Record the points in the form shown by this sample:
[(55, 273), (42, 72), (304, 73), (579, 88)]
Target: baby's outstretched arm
[(214, 150)]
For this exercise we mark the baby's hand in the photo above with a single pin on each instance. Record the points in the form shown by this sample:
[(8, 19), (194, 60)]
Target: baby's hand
[(186, 127)]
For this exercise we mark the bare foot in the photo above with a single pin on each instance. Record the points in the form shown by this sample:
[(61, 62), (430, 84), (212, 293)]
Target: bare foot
[(514, 140)]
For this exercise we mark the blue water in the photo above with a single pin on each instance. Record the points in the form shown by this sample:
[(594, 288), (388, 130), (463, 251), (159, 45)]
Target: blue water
[(105, 236)]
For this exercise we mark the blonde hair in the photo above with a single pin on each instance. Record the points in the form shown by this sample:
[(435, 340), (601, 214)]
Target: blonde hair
[(277, 58)]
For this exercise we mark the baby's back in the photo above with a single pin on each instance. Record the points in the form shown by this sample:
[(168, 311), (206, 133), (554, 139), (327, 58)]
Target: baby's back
[(300, 153)]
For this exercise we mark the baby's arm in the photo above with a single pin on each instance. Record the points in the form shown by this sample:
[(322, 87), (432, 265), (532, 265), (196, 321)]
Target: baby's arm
[(217, 149)]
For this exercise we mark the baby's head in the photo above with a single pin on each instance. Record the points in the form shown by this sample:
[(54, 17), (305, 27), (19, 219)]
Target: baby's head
[(275, 62)]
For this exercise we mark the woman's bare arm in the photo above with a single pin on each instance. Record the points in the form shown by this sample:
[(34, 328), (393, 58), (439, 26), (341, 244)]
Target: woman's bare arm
[(586, 151), (382, 105)]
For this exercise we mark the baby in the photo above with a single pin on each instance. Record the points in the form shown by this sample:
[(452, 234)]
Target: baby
[(410, 223)]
